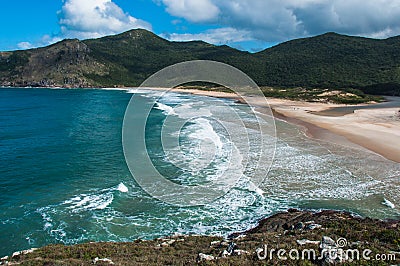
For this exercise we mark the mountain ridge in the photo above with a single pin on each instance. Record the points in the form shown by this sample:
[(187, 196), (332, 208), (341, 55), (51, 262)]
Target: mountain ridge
[(329, 60)]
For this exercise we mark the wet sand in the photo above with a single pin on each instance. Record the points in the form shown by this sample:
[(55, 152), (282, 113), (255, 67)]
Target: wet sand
[(316, 132), (376, 129)]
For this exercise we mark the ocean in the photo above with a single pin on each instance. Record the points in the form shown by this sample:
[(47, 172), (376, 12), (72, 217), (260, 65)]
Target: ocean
[(64, 178)]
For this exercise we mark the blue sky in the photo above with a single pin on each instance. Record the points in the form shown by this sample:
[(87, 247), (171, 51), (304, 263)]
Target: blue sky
[(245, 24)]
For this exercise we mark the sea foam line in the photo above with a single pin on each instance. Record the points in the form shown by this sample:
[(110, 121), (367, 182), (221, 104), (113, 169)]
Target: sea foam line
[(167, 110)]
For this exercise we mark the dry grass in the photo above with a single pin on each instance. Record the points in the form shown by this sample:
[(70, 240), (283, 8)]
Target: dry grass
[(277, 231)]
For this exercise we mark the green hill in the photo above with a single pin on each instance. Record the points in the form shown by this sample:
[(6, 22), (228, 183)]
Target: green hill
[(333, 61), (327, 61)]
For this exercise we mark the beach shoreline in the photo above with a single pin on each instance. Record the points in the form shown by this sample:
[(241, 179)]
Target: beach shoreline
[(293, 229), (279, 107), (376, 130)]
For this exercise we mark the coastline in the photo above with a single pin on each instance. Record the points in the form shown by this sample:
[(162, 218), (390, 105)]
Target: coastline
[(311, 130), (300, 230), (376, 130)]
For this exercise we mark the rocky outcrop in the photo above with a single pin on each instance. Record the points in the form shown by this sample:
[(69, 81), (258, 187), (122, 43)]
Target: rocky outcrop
[(64, 64), (331, 235)]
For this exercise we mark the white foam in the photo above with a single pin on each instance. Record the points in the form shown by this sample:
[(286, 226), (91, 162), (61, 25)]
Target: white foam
[(102, 204), (204, 131), (138, 91), (74, 199), (47, 225), (168, 110), (388, 203), (252, 187), (300, 168), (190, 110), (122, 188), (171, 97), (89, 202)]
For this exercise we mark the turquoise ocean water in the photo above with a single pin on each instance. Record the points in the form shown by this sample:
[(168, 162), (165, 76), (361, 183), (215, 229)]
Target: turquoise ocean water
[(64, 179)]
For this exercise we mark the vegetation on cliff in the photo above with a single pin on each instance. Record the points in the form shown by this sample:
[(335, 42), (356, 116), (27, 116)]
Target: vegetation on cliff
[(329, 61), (376, 243)]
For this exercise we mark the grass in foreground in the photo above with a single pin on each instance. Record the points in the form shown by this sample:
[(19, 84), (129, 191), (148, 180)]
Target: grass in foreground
[(282, 231)]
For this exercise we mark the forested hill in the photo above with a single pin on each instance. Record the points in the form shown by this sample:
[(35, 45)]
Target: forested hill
[(326, 61), (334, 61)]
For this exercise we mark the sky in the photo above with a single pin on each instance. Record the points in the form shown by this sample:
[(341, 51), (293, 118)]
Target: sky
[(250, 25)]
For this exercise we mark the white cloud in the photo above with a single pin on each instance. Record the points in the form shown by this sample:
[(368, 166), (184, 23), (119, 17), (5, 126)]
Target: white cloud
[(176, 21), (95, 18), (239, 20), (214, 36), (44, 41), (382, 34), (278, 20), (25, 45), (85, 19), (47, 39), (192, 10)]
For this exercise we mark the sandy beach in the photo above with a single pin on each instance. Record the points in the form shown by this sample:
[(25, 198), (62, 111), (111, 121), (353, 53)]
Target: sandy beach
[(377, 130)]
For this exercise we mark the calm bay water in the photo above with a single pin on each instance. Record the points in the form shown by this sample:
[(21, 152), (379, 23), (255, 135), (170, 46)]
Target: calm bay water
[(63, 176)]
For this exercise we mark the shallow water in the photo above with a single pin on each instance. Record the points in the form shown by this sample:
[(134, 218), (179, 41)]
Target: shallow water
[(64, 179)]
